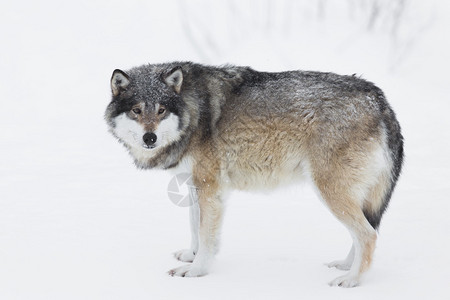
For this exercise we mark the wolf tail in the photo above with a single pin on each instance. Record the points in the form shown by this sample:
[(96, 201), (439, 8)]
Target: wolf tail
[(394, 141)]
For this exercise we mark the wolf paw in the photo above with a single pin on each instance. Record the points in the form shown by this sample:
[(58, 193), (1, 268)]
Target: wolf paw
[(185, 255), (188, 271), (346, 281), (340, 265)]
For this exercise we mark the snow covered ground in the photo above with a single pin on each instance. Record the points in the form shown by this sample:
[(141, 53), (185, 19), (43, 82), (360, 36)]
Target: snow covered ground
[(78, 221)]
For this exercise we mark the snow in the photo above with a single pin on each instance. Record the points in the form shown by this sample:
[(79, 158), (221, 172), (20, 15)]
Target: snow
[(79, 221)]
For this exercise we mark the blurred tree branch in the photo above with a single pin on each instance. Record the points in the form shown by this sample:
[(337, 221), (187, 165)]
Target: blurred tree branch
[(243, 19)]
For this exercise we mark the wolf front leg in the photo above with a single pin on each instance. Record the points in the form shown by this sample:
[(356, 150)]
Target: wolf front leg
[(188, 255), (211, 213)]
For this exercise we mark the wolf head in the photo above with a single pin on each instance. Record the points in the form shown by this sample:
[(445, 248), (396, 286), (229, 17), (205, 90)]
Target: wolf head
[(146, 111)]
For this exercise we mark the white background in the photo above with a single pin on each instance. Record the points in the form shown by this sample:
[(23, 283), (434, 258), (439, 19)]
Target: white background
[(78, 221)]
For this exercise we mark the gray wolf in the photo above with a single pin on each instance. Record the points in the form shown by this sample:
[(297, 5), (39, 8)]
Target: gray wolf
[(232, 127)]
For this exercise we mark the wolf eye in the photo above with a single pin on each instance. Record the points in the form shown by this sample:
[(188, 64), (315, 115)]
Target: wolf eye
[(161, 111), (137, 111)]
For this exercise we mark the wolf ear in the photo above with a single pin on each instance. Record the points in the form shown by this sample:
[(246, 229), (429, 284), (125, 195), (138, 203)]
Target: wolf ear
[(119, 81), (174, 79)]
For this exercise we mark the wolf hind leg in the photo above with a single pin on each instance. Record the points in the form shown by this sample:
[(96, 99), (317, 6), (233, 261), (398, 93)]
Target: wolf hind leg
[(364, 239), (344, 264), (346, 207)]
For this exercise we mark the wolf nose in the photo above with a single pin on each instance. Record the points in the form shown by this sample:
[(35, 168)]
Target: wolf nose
[(149, 138)]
